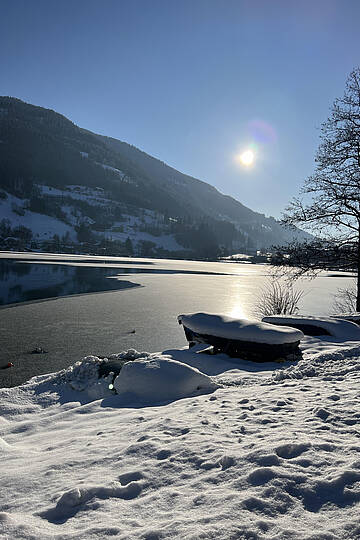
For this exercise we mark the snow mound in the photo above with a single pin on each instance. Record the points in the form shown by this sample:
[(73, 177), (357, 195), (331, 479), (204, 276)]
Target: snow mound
[(157, 379), (131, 354), (239, 329), (139, 377), (81, 375), (84, 376), (94, 376), (329, 364), (338, 328)]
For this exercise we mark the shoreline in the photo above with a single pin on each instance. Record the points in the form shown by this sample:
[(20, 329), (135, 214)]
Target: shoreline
[(97, 323), (51, 298)]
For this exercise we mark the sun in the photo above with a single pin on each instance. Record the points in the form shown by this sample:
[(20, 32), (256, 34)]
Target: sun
[(247, 158)]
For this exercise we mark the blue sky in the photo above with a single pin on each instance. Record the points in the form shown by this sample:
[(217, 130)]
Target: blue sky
[(191, 82)]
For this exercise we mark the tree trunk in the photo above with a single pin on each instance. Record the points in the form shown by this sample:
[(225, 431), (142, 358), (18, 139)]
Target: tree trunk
[(358, 276)]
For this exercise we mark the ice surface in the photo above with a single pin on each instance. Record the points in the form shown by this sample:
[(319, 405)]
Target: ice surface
[(241, 329), (337, 328)]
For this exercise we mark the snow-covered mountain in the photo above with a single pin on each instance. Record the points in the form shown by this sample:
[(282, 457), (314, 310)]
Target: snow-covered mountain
[(61, 184)]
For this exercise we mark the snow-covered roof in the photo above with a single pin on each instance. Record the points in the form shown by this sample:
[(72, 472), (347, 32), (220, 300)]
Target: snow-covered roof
[(239, 329), (338, 328)]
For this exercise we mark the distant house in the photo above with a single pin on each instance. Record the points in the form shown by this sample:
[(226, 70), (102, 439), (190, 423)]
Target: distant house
[(11, 242)]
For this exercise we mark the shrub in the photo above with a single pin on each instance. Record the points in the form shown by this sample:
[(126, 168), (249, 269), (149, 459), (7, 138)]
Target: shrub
[(345, 300), (278, 299)]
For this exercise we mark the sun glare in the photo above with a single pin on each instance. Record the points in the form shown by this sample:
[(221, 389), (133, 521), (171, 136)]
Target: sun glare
[(247, 158)]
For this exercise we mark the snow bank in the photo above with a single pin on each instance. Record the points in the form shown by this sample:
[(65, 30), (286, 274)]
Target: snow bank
[(240, 329), (338, 328), (139, 378), (94, 376), (265, 459), (330, 363), (84, 376), (159, 379)]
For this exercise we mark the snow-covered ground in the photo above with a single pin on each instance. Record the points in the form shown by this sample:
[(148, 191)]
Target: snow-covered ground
[(165, 241), (43, 227), (93, 196), (251, 451)]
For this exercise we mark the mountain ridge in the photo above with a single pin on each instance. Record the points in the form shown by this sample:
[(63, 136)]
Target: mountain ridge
[(40, 148)]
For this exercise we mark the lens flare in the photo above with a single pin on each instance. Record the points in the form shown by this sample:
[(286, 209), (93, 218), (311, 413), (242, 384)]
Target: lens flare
[(262, 132)]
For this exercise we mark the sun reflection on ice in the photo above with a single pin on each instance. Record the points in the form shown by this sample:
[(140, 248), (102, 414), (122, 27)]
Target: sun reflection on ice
[(237, 312)]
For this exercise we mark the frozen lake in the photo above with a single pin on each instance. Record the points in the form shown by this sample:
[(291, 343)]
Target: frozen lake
[(142, 315)]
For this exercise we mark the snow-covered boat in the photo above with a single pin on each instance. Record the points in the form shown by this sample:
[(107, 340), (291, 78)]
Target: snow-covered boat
[(243, 338), (337, 327), (352, 317)]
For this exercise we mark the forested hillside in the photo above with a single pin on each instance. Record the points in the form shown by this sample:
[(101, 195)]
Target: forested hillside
[(104, 192)]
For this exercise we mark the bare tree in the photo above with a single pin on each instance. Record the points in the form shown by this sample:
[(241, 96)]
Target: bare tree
[(345, 300), (299, 258), (333, 212)]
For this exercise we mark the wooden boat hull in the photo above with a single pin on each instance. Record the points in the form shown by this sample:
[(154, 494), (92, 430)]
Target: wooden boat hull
[(248, 350)]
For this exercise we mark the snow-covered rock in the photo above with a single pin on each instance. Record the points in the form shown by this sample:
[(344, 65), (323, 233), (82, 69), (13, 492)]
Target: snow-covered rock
[(239, 329), (158, 379)]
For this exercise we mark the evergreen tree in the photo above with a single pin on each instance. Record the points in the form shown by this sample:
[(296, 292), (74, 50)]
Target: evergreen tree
[(129, 246)]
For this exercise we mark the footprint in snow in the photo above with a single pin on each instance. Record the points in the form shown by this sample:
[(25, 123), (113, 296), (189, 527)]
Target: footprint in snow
[(292, 450), (79, 498), (321, 413), (268, 460), (261, 476), (334, 397), (177, 432), (226, 461), (126, 478), (163, 454)]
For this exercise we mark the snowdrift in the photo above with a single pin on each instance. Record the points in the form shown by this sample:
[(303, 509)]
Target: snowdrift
[(136, 377), (160, 379), (268, 455)]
